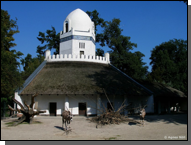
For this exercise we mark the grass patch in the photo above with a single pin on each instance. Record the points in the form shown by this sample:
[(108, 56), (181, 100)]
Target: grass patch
[(9, 124), (111, 138)]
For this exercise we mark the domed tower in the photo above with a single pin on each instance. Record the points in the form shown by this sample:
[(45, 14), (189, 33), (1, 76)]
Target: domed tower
[(78, 35)]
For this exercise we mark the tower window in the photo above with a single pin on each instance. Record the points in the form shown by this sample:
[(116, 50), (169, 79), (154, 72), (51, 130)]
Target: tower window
[(66, 26), (81, 53), (81, 45)]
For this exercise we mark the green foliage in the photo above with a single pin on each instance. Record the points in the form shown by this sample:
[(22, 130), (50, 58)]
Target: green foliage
[(30, 64), (10, 75), (169, 64), (8, 29), (121, 57), (25, 62), (94, 15), (99, 52), (52, 41)]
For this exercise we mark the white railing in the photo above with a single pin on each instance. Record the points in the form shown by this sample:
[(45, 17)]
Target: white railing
[(87, 58)]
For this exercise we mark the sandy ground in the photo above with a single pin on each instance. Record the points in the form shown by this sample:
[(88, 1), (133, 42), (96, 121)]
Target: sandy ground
[(157, 127)]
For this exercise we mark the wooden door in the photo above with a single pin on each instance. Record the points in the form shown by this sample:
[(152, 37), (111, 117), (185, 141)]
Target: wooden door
[(52, 109), (82, 109), (109, 107)]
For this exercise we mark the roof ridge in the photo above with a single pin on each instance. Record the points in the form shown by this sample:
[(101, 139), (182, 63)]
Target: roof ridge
[(32, 76), (131, 79)]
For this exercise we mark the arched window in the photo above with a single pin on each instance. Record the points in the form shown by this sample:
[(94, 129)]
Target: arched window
[(66, 26)]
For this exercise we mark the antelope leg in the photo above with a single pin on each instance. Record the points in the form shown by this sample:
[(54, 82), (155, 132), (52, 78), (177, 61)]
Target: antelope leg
[(62, 124), (66, 125)]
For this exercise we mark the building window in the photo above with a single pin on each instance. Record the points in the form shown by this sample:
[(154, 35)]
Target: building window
[(81, 45), (81, 53), (66, 26)]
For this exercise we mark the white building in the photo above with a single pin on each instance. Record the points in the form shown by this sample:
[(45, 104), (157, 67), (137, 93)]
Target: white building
[(75, 78), (78, 35)]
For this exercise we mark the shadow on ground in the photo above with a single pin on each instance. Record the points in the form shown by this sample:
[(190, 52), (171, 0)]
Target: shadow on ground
[(58, 127), (132, 123), (167, 118)]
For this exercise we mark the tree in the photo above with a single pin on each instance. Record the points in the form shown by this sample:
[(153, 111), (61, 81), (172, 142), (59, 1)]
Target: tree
[(186, 2), (169, 63), (94, 15), (27, 111), (8, 29), (121, 57), (52, 41), (99, 52), (30, 64), (25, 62), (10, 75)]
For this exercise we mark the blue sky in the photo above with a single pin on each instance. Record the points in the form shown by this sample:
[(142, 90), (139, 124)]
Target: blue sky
[(148, 23)]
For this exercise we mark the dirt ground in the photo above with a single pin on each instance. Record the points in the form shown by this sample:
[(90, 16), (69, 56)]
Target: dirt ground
[(157, 127)]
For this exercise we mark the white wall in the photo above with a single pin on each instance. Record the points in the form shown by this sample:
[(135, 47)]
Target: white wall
[(19, 99), (150, 104), (91, 103), (116, 100), (72, 46), (44, 101), (66, 47), (137, 101), (88, 50)]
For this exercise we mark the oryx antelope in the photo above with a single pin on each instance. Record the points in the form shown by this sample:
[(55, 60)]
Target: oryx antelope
[(142, 115), (66, 118)]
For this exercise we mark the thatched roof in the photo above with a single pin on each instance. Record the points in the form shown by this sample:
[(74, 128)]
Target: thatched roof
[(82, 78), (161, 90)]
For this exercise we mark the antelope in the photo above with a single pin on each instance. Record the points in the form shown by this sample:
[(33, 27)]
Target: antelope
[(142, 115), (66, 118)]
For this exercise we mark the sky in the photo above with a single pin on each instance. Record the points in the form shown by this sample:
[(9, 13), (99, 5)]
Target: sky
[(148, 23)]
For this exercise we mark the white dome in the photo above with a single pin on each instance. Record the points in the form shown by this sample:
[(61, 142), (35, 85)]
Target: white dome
[(79, 20)]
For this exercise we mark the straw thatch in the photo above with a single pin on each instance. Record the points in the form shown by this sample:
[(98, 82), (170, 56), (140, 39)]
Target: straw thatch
[(91, 78), (82, 78), (161, 90)]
